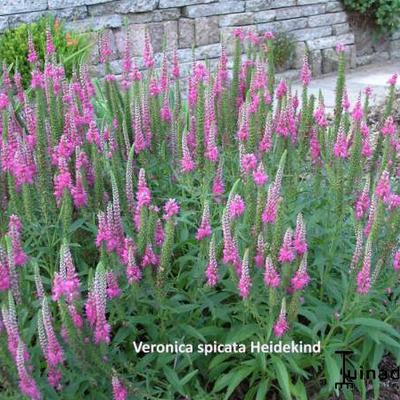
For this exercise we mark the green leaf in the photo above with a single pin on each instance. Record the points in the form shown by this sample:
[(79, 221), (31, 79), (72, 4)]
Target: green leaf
[(237, 378), (282, 376), (173, 379)]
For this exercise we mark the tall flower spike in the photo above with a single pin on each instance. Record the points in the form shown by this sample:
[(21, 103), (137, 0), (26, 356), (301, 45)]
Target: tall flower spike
[(133, 272), (299, 240), (364, 275), (32, 55), (205, 227), (357, 250), (102, 328), (305, 73), (187, 163), (271, 275), (363, 201), (38, 282), (259, 257), (54, 351), (212, 266), (281, 326), (301, 278), (4, 271), (119, 390), (286, 253), (143, 195), (245, 282), (341, 146), (27, 384), (14, 232), (148, 59)]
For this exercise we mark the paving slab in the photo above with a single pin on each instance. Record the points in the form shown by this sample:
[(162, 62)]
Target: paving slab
[(374, 76)]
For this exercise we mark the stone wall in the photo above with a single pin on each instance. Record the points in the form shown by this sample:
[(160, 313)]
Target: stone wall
[(317, 24)]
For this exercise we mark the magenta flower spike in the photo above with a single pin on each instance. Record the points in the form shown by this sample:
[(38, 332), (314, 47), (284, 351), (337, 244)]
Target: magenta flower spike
[(4, 271), (14, 231), (341, 146), (357, 250), (259, 257), (54, 354), (187, 162), (133, 272), (299, 239), (396, 260), (272, 278), (148, 59), (286, 252), (32, 55), (204, 229), (236, 207), (102, 328), (119, 390), (281, 326), (364, 275), (245, 281), (305, 73), (27, 384), (143, 194), (383, 187), (301, 278), (212, 266), (363, 201), (171, 208)]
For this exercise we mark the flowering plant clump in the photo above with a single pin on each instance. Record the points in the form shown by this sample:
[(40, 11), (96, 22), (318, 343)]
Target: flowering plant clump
[(233, 211)]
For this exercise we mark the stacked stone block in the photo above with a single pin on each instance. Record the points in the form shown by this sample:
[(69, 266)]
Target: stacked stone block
[(196, 27)]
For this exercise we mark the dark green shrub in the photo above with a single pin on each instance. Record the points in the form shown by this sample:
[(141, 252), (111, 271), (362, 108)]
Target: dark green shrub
[(283, 49), (71, 47), (385, 13)]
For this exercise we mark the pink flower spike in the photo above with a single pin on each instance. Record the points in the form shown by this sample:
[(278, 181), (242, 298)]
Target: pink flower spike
[(236, 206), (245, 282), (281, 326), (119, 390), (286, 253), (272, 278), (363, 277), (212, 267), (259, 175), (205, 227), (301, 278), (171, 208), (396, 260)]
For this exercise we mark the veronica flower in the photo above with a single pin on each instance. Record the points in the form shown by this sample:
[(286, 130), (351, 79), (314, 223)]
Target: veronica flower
[(14, 231), (259, 175), (271, 276), (341, 146), (301, 278), (383, 189), (281, 326), (113, 289), (212, 266), (286, 252), (204, 229), (102, 328), (389, 128), (259, 257), (245, 282), (27, 384), (171, 208), (119, 390), (305, 73), (363, 277), (363, 201), (4, 272), (248, 163), (299, 240), (396, 260), (236, 206)]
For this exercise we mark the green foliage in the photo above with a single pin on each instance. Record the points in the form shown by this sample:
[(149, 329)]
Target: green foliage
[(283, 48), (386, 13), (70, 47)]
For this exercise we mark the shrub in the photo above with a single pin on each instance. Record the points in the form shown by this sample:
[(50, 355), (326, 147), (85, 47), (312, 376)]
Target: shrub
[(283, 48), (132, 213), (71, 47), (386, 13)]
